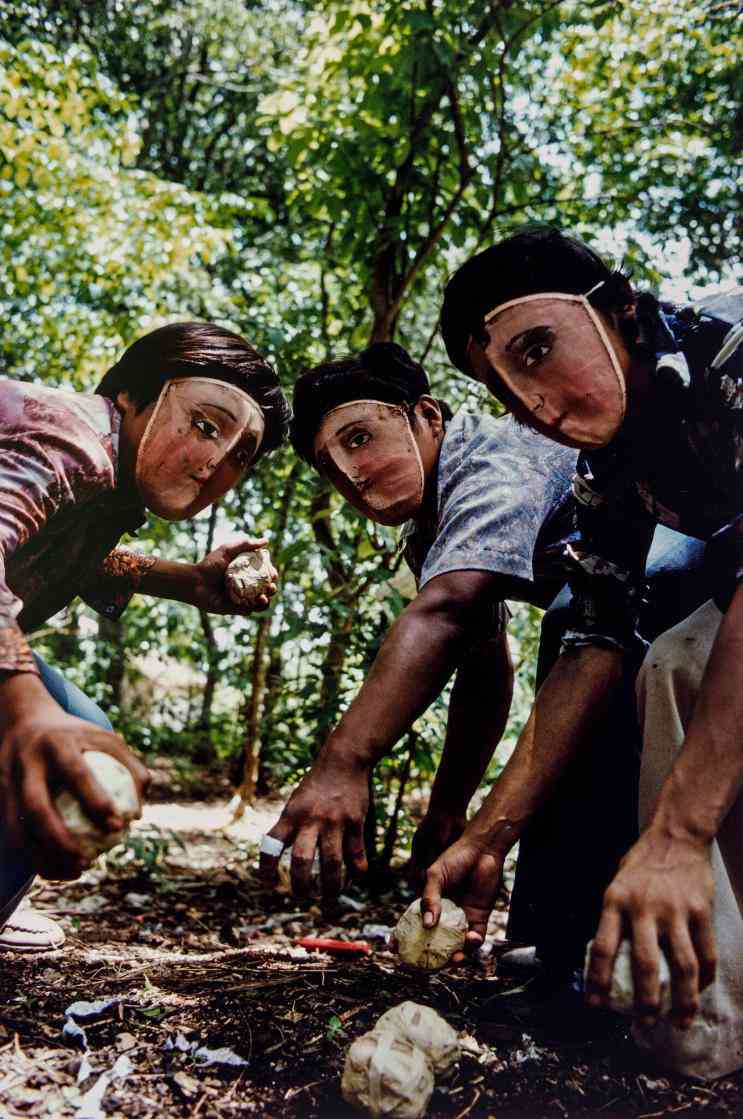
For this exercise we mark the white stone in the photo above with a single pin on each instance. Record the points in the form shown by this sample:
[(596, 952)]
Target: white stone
[(426, 1029), (622, 989), (118, 783), (249, 576), (430, 949), (386, 1075)]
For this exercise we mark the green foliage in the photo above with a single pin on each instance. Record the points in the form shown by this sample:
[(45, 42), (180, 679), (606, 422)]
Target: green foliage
[(311, 173), (96, 251), (144, 851)]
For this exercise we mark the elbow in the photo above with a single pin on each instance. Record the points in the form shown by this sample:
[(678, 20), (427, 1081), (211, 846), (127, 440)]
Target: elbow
[(457, 599), (604, 664)]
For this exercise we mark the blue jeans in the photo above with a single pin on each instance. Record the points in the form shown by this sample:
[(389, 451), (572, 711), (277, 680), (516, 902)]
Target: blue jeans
[(16, 869), (570, 852)]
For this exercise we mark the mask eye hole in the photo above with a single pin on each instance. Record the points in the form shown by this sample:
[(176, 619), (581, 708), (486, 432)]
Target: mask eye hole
[(534, 354), (208, 429), (357, 439), (532, 346)]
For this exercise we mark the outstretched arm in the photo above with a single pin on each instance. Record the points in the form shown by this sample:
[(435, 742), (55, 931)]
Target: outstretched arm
[(478, 712), (664, 888), (124, 573), (417, 657), (571, 701), (203, 584)]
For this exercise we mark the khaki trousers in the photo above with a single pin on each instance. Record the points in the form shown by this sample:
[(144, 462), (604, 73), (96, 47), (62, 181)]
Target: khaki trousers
[(667, 687)]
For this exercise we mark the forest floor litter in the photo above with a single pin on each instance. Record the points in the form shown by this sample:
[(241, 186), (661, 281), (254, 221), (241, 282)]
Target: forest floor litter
[(182, 991)]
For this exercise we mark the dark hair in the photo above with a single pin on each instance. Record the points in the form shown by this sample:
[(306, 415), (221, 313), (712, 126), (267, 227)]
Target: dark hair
[(200, 349), (533, 259), (384, 371)]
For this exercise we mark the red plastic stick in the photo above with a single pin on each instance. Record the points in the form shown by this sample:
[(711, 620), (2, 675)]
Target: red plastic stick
[(344, 947)]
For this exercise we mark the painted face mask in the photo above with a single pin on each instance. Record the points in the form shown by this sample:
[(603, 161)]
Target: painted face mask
[(553, 353), (368, 451), (198, 426)]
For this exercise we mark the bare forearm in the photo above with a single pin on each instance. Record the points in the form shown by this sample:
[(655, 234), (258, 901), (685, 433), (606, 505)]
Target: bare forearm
[(414, 663), (21, 693), (478, 713), (570, 703), (707, 777), (169, 579)]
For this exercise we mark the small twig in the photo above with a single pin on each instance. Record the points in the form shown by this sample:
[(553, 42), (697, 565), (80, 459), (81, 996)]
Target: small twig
[(292, 1092), (199, 1105), (469, 1107)]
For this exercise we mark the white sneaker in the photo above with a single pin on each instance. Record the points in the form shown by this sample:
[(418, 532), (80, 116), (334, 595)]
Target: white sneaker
[(27, 930)]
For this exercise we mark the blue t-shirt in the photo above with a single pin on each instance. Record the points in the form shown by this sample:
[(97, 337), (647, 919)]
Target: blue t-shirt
[(502, 505)]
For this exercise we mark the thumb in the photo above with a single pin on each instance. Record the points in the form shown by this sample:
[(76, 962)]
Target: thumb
[(231, 551), (431, 900)]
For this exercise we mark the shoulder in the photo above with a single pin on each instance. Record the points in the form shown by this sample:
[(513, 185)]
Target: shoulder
[(710, 335), (497, 448), (710, 330), (74, 428)]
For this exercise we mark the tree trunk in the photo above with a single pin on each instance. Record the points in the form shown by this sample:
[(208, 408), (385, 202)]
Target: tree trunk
[(205, 752), (112, 632), (262, 701), (332, 671), (252, 712), (388, 849), (274, 677)]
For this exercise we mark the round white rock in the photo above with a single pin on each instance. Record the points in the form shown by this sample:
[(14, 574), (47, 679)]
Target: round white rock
[(430, 949), (118, 783), (427, 1030), (386, 1075), (622, 989), (249, 576)]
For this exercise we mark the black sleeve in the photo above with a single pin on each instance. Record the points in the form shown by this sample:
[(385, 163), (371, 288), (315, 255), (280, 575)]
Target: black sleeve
[(606, 567)]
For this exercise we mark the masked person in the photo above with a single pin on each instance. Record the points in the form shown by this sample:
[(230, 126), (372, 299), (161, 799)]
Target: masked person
[(487, 515), (651, 396), (482, 502), (182, 418)]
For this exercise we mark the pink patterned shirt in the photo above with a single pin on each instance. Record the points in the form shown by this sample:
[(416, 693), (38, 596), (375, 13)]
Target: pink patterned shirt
[(61, 514)]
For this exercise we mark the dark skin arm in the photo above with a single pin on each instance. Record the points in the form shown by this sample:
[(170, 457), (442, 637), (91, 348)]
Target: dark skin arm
[(418, 656), (572, 699), (203, 584), (478, 713), (41, 750), (664, 889), (41, 746)]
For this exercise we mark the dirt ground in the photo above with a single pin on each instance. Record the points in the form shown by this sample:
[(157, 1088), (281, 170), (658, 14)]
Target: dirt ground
[(188, 956)]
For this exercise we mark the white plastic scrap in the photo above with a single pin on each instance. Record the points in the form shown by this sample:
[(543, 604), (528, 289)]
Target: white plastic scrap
[(89, 1105), (222, 1056), (179, 1042), (201, 1053), (529, 1052), (376, 932), (83, 1011)]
